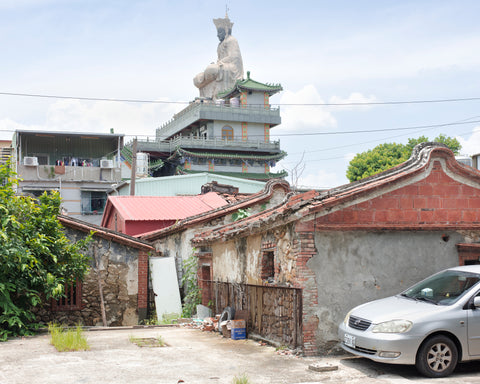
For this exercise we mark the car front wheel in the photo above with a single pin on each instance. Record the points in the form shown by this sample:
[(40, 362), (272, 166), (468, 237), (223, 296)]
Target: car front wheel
[(437, 357)]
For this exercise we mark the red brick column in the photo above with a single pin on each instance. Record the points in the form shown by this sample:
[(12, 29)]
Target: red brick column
[(304, 247), (205, 276), (142, 285)]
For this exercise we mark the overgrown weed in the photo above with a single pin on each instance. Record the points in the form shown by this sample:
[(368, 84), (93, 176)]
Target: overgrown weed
[(67, 340), (241, 379)]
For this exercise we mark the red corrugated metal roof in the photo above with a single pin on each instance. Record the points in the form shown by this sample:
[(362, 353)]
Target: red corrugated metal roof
[(139, 208)]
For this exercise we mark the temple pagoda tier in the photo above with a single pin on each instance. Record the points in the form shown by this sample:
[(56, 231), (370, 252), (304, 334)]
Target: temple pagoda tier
[(228, 134)]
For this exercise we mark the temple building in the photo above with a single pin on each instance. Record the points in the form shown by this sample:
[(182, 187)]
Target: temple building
[(226, 130)]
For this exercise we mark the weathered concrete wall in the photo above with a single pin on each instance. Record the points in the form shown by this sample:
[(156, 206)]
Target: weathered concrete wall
[(119, 276), (238, 261), (355, 267)]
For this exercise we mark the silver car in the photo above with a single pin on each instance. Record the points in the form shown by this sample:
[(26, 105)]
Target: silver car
[(434, 324)]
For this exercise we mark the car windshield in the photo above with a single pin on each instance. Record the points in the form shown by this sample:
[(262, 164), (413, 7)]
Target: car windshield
[(443, 288)]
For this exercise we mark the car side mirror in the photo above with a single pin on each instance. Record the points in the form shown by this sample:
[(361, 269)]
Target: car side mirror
[(476, 302)]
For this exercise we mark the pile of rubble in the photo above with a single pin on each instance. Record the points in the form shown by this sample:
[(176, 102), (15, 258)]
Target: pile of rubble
[(226, 323), (207, 324)]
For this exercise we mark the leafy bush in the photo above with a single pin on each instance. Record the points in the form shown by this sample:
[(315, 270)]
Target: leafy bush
[(193, 296), (37, 259)]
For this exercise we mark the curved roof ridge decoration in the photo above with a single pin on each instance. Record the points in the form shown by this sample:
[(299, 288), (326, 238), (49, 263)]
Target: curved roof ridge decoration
[(249, 84), (210, 155), (419, 158), (301, 205)]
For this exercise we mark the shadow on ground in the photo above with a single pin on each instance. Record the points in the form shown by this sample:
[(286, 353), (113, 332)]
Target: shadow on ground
[(374, 369)]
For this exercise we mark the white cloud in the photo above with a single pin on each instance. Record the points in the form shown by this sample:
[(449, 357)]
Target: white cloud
[(355, 98), (100, 116), (471, 146), (8, 127), (322, 179), (301, 112), (296, 118), (349, 157)]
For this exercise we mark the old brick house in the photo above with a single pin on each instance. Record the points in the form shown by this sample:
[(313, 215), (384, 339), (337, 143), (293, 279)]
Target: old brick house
[(174, 241), (298, 268), (123, 266)]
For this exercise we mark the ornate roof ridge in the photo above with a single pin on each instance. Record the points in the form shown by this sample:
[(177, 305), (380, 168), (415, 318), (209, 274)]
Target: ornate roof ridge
[(304, 204), (250, 85), (212, 155)]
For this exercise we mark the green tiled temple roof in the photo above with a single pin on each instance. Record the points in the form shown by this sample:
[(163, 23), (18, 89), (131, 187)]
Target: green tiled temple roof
[(208, 155), (249, 85), (242, 175)]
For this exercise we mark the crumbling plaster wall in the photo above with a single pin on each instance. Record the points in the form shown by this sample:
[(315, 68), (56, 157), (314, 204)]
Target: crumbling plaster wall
[(118, 265), (177, 245), (238, 261), (355, 267)]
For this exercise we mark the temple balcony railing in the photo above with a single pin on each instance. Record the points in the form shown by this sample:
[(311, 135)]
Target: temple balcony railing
[(187, 142), (219, 143), (211, 111)]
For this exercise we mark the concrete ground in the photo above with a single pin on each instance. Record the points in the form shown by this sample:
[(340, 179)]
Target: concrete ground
[(192, 356)]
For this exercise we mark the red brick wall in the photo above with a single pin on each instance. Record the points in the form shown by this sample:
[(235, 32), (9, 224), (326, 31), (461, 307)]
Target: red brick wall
[(468, 253), (205, 277), (437, 200), (304, 247), (142, 280)]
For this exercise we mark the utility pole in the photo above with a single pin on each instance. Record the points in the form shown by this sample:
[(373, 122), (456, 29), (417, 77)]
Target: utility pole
[(134, 168)]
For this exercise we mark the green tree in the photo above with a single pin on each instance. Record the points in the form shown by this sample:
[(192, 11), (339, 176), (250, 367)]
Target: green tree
[(388, 155), (36, 258)]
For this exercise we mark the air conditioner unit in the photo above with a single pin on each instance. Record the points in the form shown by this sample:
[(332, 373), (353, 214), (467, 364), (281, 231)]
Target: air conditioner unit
[(106, 163), (32, 161)]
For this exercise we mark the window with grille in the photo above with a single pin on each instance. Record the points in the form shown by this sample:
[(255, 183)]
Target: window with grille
[(227, 133), (72, 299)]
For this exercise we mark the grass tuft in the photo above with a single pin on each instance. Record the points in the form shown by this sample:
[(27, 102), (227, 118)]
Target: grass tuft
[(67, 340), (241, 379), (150, 342)]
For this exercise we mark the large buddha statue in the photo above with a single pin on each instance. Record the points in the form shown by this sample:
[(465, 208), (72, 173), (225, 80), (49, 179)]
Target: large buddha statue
[(220, 76)]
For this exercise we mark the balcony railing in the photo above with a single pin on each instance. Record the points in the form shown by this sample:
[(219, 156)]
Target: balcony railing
[(193, 142), (207, 144), (210, 111), (68, 173)]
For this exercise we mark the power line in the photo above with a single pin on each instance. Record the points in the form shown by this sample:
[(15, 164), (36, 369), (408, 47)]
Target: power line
[(344, 146), (376, 130), (394, 102), (463, 121), (92, 98), (359, 103)]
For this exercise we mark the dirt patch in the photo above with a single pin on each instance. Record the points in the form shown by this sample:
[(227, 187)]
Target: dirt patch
[(148, 342)]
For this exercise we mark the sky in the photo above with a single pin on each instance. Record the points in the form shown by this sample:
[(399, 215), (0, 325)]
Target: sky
[(374, 52)]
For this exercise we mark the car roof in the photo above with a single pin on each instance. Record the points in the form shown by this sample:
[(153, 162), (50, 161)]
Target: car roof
[(467, 268)]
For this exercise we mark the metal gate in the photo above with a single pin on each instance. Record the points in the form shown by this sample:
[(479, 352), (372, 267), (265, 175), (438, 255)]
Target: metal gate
[(274, 313)]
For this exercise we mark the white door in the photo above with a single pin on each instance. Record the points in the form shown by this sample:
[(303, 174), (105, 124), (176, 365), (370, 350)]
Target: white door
[(165, 286)]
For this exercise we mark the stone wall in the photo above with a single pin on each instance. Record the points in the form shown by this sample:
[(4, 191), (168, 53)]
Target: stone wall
[(118, 265)]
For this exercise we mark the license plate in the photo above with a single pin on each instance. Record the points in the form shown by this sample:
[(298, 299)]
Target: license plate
[(349, 340)]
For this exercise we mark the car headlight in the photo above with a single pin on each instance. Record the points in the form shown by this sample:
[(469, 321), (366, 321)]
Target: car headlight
[(393, 326), (345, 320)]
